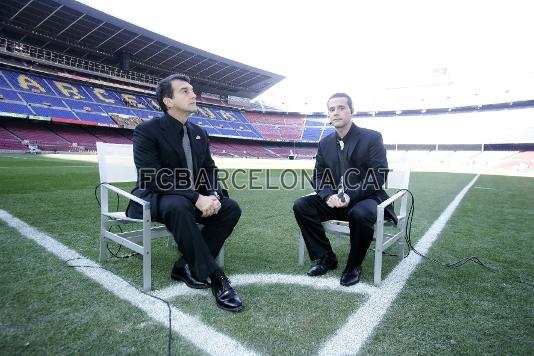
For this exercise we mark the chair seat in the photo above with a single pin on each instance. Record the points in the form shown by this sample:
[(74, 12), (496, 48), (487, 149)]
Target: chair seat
[(121, 215), (343, 226)]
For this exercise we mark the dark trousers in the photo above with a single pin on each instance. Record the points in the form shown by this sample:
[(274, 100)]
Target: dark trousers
[(311, 210), (198, 248)]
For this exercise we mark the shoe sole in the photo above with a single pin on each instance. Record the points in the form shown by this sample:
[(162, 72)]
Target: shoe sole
[(235, 310), (181, 279), (349, 284), (322, 274)]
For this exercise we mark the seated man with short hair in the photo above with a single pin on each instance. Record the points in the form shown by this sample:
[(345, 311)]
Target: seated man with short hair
[(178, 176), (350, 170)]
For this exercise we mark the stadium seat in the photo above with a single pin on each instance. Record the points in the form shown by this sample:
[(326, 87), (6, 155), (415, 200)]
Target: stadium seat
[(386, 232), (116, 165)]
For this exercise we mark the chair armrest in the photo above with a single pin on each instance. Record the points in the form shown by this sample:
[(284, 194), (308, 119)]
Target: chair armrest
[(391, 199), (125, 194)]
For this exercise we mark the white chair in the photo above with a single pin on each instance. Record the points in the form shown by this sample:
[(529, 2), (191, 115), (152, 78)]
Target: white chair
[(398, 178), (116, 165)]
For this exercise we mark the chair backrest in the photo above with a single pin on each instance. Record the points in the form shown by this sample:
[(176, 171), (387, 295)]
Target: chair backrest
[(399, 174), (115, 163)]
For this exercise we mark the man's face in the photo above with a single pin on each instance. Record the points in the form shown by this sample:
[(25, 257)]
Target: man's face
[(183, 99), (339, 112)]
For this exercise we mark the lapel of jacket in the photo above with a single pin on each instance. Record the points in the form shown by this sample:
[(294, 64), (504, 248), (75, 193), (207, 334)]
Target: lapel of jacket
[(330, 155), (169, 134), (352, 140)]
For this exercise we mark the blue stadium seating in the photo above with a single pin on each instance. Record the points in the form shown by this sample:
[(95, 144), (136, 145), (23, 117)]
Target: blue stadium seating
[(228, 132), (60, 98), (15, 108), (95, 117), (13, 79), (67, 90), (328, 130), (52, 112), (312, 121), (3, 82), (81, 105), (247, 134), (117, 110), (145, 114), (104, 93), (311, 134), (41, 99), (10, 95)]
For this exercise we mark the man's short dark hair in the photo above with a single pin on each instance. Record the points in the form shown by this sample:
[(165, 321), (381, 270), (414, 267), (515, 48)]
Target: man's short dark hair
[(343, 95), (164, 89)]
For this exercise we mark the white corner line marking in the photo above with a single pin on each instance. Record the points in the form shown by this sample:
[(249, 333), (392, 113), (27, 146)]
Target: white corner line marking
[(324, 283), (191, 328), (350, 338)]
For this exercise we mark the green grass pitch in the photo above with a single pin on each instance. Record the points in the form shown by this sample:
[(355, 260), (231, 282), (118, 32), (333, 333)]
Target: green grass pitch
[(47, 308)]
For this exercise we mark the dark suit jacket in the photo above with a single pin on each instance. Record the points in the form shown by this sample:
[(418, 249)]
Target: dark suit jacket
[(366, 167), (161, 164)]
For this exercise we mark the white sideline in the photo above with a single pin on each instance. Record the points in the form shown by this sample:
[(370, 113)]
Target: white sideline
[(202, 336), (352, 336)]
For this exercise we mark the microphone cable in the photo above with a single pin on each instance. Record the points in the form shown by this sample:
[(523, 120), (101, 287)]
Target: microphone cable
[(116, 253), (461, 262), (169, 346)]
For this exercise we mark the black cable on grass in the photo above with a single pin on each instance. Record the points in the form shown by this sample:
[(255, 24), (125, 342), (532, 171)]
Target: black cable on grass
[(114, 254), (461, 262), (98, 200), (140, 290)]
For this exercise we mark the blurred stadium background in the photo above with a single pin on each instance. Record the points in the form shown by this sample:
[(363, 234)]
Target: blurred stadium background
[(71, 75)]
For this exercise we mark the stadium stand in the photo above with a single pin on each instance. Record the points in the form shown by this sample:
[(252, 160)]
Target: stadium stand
[(10, 141), (106, 106), (67, 102), (37, 134), (277, 127), (31, 95), (519, 162)]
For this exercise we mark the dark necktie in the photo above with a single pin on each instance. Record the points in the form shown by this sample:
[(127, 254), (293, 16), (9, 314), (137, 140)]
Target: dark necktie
[(187, 151), (342, 167)]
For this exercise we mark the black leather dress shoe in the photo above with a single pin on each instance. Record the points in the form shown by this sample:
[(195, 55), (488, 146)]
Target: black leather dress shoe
[(349, 278), (327, 262), (226, 296), (184, 274)]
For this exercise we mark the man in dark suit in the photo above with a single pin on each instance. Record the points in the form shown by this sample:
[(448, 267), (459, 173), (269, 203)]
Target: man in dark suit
[(350, 170), (178, 176)]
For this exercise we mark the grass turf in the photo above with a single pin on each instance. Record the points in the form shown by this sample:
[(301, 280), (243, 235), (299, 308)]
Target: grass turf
[(466, 310)]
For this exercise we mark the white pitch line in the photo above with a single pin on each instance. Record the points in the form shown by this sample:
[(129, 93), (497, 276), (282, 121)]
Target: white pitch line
[(350, 338), (202, 336), (329, 283)]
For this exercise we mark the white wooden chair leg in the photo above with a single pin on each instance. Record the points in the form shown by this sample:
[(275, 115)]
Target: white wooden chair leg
[(104, 254), (379, 234), (301, 250), (402, 243), (220, 258), (147, 250), (170, 241)]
